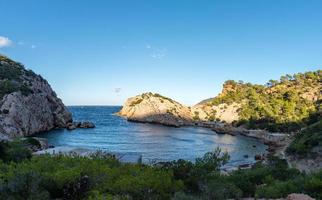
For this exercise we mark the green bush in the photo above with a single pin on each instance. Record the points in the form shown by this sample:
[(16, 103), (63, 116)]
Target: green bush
[(221, 190), (13, 77), (75, 177), (102, 177), (306, 140), (14, 151)]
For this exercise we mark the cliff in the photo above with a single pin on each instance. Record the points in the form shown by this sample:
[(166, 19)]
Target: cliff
[(28, 105)]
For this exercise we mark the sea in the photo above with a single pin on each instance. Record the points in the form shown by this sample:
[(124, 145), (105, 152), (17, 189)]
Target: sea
[(156, 143)]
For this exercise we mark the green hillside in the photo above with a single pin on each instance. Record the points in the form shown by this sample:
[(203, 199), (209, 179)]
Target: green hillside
[(283, 105)]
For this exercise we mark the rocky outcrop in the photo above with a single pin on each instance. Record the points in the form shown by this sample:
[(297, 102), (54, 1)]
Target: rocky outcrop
[(28, 105), (75, 125), (299, 197), (154, 108), (223, 112)]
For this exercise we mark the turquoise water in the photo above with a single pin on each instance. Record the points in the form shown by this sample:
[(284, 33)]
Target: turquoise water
[(154, 142)]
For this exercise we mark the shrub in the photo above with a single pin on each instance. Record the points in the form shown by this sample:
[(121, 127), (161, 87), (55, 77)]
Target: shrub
[(14, 151)]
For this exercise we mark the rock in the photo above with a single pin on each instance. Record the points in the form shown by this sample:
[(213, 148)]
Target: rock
[(71, 126), (75, 125), (30, 108), (43, 143), (259, 157), (244, 166), (35, 143), (221, 112), (154, 108), (78, 124), (246, 156), (87, 125), (299, 197)]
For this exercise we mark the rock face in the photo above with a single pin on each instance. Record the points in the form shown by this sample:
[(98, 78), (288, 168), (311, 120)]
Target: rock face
[(28, 105), (222, 112), (154, 108)]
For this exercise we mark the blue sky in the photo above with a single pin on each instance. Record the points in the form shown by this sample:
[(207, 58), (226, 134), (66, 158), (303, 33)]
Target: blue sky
[(102, 52)]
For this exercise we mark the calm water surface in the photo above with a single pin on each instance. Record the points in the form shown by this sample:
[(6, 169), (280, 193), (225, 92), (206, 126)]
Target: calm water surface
[(154, 142)]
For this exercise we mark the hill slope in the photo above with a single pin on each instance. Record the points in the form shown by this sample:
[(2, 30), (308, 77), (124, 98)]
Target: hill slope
[(285, 105)]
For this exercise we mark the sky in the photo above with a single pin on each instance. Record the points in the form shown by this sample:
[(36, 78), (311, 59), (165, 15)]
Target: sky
[(101, 52)]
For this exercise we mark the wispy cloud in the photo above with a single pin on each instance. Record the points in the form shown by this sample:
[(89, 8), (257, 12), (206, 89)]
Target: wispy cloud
[(117, 90), (33, 46), (155, 52), (5, 42)]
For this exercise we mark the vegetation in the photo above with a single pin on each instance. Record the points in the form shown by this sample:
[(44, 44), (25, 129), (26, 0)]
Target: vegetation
[(12, 77), (285, 105), (196, 116), (305, 142), (148, 95), (136, 102), (102, 177)]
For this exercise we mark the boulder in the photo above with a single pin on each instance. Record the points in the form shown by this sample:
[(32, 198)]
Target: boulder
[(87, 125), (299, 197)]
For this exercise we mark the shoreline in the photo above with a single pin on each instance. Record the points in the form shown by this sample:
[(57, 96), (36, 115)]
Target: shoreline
[(276, 142)]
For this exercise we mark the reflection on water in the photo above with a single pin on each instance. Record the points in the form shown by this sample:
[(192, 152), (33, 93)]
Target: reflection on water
[(154, 142)]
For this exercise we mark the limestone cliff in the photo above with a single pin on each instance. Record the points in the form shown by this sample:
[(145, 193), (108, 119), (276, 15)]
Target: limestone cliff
[(28, 105), (154, 108)]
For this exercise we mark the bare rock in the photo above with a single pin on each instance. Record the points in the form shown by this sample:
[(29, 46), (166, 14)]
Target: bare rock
[(154, 108), (87, 125), (75, 125), (299, 197), (71, 126)]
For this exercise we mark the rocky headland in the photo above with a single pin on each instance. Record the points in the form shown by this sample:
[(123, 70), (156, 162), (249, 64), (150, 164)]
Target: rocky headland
[(154, 108), (28, 105)]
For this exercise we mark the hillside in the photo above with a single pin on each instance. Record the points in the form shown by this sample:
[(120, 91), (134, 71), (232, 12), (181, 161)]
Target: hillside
[(305, 151), (285, 105), (28, 105)]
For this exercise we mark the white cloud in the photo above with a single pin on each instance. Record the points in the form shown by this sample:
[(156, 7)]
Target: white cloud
[(33, 46), (148, 46), (5, 42)]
